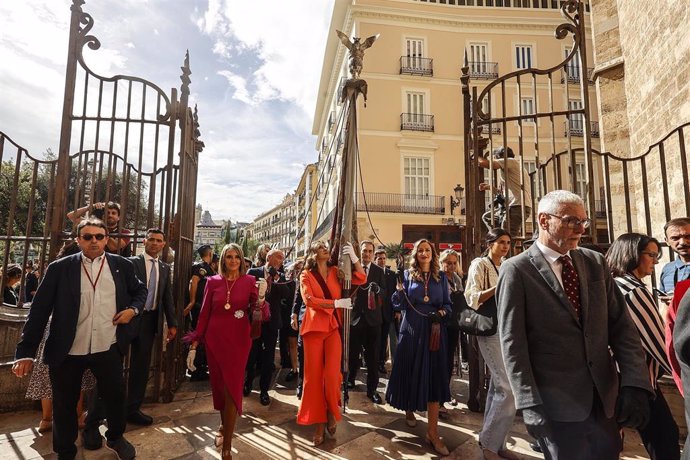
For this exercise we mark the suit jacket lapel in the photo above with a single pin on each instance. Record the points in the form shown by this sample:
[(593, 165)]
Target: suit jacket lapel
[(75, 277), (540, 263)]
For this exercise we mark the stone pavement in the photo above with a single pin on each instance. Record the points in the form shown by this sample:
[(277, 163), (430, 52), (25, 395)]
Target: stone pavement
[(184, 429)]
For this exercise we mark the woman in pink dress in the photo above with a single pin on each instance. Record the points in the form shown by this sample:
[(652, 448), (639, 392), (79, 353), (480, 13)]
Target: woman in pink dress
[(224, 329)]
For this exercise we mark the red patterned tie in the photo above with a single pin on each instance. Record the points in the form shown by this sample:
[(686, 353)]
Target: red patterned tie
[(571, 283)]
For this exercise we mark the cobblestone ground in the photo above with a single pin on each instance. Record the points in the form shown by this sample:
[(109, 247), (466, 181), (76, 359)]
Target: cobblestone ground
[(183, 429)]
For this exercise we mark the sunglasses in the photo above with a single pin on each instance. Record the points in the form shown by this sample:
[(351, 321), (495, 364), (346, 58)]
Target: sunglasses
[(88, 236)]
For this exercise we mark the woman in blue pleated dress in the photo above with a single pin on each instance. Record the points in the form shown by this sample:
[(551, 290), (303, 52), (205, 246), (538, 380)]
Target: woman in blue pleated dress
[(419, 379)]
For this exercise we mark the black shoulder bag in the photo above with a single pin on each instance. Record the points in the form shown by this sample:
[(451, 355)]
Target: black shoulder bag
[(482, 321)]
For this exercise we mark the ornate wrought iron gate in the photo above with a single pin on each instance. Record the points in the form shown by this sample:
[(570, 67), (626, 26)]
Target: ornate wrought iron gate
[(490, 111), (122, 139), (638, 193)]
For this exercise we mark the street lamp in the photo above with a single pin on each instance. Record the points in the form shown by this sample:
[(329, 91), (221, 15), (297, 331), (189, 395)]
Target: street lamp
[(459, 191)]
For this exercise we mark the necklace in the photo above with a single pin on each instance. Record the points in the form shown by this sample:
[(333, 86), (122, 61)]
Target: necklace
[(228, 306), (426, 286)]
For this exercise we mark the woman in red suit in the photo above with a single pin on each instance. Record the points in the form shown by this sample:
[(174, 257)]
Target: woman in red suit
[(321, 292), (224, 329)]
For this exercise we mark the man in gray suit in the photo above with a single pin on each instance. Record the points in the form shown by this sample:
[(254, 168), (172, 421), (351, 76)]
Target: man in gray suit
[(559, 314)]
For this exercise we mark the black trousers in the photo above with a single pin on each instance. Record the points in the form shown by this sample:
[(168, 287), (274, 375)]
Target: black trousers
[(200, 361), (262, 355), (300, 354), (369, 337), (65, 381), (284, 333), (660, 436), (140, 360), (596, 437)]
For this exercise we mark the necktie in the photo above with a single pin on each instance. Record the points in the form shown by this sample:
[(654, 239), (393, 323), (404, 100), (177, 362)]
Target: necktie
[(151, 294), (366, 269), (571, 283)]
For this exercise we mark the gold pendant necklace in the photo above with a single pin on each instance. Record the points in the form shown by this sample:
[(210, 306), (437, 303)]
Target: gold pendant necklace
[(228, 306), (426, 287)]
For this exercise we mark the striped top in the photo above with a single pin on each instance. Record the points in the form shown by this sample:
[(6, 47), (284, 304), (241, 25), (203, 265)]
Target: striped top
[(645, 315)]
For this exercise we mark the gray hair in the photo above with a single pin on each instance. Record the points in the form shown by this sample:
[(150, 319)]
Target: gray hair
[(552, 201), (274, 251)]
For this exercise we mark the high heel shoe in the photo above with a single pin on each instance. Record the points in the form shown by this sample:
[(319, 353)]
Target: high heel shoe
[(218, 439), (332, 425), (45, 425), (318, 436), (438, 445), (410, 419)]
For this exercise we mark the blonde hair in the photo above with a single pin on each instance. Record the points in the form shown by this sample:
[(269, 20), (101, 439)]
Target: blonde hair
[(451, 252), (415, 272), (236, 248), (310, 260)]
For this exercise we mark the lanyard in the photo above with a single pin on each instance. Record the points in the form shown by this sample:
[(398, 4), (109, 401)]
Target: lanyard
[(94, 283)]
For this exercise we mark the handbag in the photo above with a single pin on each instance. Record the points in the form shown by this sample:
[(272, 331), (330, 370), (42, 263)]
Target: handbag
[(483, 321)]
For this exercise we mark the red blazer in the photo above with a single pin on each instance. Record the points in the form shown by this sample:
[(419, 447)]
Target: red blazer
[(320, 314), (678, 294)]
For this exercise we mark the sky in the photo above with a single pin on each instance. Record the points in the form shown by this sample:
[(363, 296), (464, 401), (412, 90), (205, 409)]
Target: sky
[(255, 67)]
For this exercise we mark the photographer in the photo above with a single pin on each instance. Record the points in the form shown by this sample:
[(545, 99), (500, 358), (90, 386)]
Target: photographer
[(110, 213), (511, 182)]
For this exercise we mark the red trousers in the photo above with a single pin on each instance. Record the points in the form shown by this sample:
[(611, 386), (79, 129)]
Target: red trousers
[(322, 377)]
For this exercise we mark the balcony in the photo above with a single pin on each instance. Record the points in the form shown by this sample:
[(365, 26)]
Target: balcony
[(414, 65), (417, 122), (483, 70), (493, 129), (401, 203), (331, 121), (339, 94), (576, 128), (572, 74)]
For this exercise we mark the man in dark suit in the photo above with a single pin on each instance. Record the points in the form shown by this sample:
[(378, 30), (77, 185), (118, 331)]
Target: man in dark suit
[(278, 293), (93, 298), (367, 317), (389, 326), (562, 322), (155, 274)]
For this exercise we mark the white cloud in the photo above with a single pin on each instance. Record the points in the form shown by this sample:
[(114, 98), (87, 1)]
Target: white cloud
[(288, 37)]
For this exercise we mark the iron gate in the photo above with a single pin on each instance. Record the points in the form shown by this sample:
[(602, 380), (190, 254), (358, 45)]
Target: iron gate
[(122, 139), (538, 126)]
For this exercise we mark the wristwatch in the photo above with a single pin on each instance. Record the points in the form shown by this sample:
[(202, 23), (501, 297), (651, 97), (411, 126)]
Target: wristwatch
[(136, 310)]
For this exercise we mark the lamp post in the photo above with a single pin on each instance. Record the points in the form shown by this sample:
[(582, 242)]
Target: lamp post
[(455, 201)]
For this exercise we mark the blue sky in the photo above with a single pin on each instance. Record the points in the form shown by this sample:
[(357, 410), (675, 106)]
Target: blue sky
[(255, 73)]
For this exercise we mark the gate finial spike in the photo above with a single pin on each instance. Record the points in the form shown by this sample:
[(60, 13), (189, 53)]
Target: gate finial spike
[(465, 61)]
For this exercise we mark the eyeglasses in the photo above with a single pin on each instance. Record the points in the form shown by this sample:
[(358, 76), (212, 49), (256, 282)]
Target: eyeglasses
[(88, 236), (571, 221), (653, 255)]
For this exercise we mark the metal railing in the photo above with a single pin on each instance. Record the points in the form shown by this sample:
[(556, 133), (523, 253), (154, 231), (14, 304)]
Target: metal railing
[(572, 74), (483, 69), (401, 203), (576, 128), (417, 122), (414, 65), (494, 129), (341, 85)]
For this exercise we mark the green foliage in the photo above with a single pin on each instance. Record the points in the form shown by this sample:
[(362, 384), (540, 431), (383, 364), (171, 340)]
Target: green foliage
[(393, 250)]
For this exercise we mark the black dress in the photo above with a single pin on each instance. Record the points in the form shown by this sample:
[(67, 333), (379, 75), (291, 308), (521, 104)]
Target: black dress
[(419, 376)]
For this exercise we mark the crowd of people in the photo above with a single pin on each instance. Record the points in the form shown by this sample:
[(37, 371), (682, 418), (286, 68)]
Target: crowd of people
[(578, 341)]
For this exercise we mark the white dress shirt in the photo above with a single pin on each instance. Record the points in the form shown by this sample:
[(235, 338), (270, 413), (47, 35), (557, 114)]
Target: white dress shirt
[(95, 329), (148, 260), (551, 257)]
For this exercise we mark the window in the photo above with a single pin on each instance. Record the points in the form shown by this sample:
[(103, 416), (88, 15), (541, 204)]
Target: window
[(415, 52), (527, 108), (479, 56), (530, 166), (416, 176), (580, 179), (523, 56), (572, 68), (576, 120)]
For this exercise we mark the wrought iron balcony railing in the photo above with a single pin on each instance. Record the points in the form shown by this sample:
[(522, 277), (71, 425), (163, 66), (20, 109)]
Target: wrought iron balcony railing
[(341, 85), (483, 70), (572, 74), (576, 128), (494, 129), (417, 122), (401, 203), (413, 65), (331, 120)]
